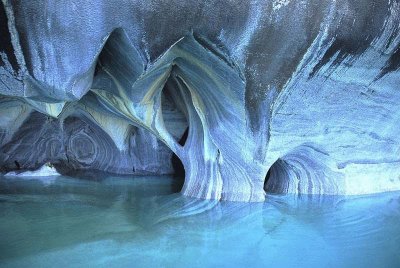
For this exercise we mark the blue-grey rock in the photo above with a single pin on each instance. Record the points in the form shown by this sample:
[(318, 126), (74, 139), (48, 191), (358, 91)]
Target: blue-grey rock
[(281, 95)]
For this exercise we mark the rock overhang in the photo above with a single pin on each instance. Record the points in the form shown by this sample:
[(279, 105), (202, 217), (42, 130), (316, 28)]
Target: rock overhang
[(318, 100)]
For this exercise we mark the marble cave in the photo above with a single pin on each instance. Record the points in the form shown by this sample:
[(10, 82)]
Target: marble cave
[(241, 102)]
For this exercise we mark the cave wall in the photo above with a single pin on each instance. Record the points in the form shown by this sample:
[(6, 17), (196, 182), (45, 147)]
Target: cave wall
[(80, 138), (76, 143), (307, 90)]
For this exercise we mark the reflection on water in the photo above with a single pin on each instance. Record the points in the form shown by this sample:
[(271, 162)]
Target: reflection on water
[(143, 222)]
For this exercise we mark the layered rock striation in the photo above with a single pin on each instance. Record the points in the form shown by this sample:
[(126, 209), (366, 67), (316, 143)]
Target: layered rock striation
[(252, 96)]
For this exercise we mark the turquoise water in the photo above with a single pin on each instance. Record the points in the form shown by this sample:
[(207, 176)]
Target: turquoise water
[(142, 222)]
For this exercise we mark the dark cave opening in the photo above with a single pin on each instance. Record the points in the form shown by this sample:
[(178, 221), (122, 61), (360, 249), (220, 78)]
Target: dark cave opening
[(267, 177), (175, 118), (179, 170), (17, 165), (276, 181)]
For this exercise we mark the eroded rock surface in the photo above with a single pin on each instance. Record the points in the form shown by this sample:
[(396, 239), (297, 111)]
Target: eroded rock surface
[(293, 96)]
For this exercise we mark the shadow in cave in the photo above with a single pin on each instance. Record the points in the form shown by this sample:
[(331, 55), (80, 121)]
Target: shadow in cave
[(176, 122), (179, 170), (6, 43), (276, 179)]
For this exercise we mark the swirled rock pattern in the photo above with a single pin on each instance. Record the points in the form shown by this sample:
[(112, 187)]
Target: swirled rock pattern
[(290, 96), (76, 142)]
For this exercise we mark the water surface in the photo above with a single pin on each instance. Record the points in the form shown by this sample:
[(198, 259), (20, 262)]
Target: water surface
[(110, 221)]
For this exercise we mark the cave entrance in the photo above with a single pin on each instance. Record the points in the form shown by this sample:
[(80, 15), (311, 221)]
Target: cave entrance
[(166, 112), (276, 180), (176, 122)]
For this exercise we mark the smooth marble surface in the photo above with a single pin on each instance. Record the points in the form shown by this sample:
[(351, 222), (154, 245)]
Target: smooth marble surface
[(306, 91)]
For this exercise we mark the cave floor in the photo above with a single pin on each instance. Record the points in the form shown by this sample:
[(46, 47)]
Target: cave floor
[(111, 221)]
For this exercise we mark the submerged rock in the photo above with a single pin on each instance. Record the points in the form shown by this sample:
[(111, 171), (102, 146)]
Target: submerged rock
[(293, 96)]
